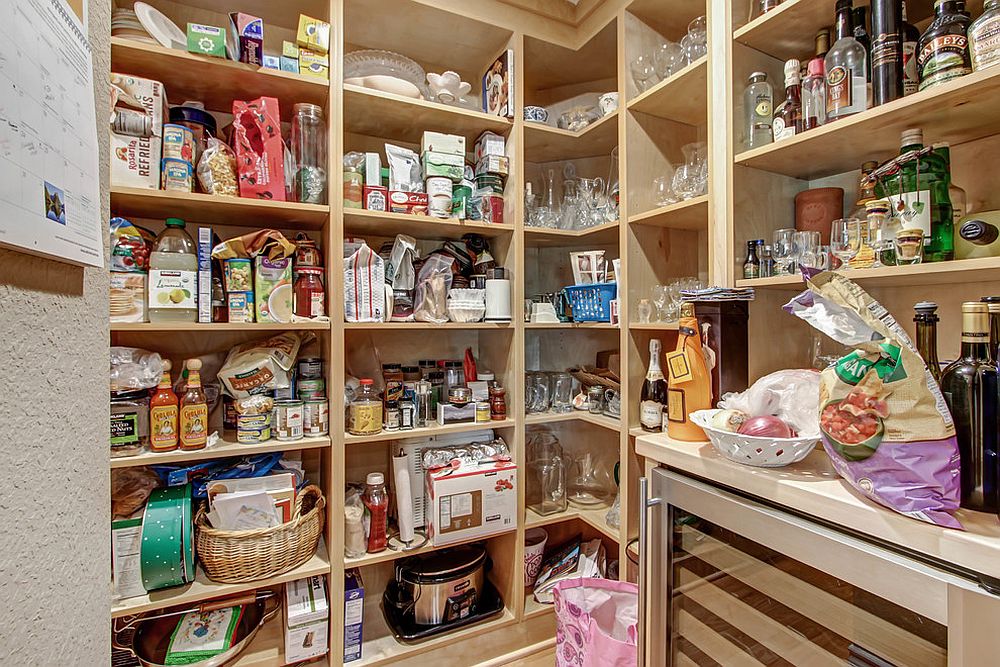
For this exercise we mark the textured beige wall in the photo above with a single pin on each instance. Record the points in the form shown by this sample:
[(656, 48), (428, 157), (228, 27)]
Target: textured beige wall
[(54, 498)]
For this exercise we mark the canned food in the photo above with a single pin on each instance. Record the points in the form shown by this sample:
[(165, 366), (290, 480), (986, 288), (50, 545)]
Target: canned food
[(236, 274), (316, 417), (177, 175), (312, 386), (286, 392), (288, 419), (241, 306), (310, 368), (251, 429), (178, 142)]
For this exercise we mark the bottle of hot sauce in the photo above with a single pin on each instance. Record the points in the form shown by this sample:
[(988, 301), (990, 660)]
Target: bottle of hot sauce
[(163, 415), (194, 410), (690, 384)]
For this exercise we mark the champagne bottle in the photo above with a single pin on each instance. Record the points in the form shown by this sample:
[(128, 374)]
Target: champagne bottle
[(654, 392), (690, 384), (970, 388)]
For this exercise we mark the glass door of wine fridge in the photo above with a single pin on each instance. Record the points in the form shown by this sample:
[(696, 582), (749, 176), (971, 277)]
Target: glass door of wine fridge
[(731, 581)]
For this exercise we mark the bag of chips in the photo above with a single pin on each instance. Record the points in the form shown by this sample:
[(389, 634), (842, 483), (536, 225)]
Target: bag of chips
[(884, 422)]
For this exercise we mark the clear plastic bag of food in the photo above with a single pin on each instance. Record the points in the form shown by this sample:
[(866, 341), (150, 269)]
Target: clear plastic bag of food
[(791, 395), (217, 169), (133, 369), (433, 285)]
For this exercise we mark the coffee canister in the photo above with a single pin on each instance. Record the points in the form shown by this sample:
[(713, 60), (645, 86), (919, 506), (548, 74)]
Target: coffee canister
[(439, 191), (288, 419)]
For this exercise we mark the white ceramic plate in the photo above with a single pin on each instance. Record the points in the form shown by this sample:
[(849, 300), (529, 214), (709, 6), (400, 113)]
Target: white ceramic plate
[(160, 27)]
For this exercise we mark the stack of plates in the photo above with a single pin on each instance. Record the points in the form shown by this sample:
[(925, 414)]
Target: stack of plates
[(124, 23)]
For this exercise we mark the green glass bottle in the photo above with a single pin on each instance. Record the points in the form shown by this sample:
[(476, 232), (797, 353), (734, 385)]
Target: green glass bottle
[(919, 197)]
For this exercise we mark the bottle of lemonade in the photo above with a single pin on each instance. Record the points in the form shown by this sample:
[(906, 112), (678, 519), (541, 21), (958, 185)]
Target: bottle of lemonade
[(173, 276), (194, 410), (163, 415)]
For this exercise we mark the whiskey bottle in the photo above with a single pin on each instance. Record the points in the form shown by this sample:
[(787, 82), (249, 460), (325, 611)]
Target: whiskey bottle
[(751, 267), (788, 117), (846, 67)]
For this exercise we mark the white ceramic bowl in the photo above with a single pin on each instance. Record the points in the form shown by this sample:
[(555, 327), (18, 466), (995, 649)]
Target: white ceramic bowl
[(753, 450)]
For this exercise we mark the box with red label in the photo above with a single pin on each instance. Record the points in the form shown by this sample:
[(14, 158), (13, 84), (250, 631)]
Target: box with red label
[(471, 501), (376, 198), (259, 151), (139, 108), (414, 203)]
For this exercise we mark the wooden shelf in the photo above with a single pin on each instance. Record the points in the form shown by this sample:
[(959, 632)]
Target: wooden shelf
[(688, 214), (268, 648), (215, 210), (203, 588), (422, 326), (534, 609), (592, 517), (223, 449), (362, 222), (609, 423), (386, 436), (214, 81), (544, 143), (682, 97), (216, 327), (379, 114), (654, 326), (389, 555), (984, 269), (544, 237), (570, 325), (958, 111)]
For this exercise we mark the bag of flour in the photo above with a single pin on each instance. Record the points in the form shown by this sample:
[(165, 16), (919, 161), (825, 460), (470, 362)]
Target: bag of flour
[(364, 286)]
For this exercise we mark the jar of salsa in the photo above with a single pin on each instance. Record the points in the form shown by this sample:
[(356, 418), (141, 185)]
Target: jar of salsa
[(310, 297)]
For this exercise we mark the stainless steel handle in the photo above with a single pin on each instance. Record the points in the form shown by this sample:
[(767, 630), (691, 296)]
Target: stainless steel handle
[(645, 504)]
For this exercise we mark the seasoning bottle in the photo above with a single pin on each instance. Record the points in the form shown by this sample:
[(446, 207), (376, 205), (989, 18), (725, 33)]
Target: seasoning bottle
[(984, 37), (393, 417), (423, 404), (392, 376), (886, 51), (910, 37), (411, 375), (926, 318), (308, 149), (498, 403), (194, 410), (163, 415), (407, 414), (943, 50), (751, 267), (376, 499), (788, 117), (365, 411)]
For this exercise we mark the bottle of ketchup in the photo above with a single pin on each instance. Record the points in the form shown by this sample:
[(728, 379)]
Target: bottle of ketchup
[(376, 499)]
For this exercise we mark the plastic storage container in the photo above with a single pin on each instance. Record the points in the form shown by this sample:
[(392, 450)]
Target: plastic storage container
[(173, 276)]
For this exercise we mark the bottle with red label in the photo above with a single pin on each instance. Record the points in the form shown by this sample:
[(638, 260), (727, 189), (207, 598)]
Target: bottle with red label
[(376, 499), (163, 415), (194, 410)]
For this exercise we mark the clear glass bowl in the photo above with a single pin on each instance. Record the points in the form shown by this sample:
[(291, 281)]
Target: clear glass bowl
[(384, 64)]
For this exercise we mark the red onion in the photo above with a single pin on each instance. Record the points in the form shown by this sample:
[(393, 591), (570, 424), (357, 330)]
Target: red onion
[(767, 426)]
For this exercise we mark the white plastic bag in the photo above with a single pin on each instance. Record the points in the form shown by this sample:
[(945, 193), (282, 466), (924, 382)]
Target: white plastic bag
[(792, 395), (364, 286)]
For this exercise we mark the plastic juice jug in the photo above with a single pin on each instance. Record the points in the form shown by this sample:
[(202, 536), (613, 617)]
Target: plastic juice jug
[(173, 276)]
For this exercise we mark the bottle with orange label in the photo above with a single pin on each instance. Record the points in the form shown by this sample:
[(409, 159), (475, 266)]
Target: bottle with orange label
[(689, 385), (194, 410), (163, 415)]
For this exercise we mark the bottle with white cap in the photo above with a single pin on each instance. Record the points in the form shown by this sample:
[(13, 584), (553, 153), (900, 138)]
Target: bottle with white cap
[(788, 117), (758, 103)]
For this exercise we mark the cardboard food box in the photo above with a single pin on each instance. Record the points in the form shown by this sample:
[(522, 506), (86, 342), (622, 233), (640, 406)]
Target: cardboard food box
[(443, 164), (127, 295), (314, 64), (139, 110), (246, 38), (289, 57), (313, 34), (204, 274), (438, 142), (272, 286), (354, 614), (206, 40), (307, 612), (414, 203), (471, 501), (272, 62), (493, 164), (376, 198), (259, 149), (490, 143)]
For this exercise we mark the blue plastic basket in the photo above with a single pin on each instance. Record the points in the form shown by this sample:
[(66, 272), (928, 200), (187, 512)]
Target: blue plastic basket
[(591, 303)]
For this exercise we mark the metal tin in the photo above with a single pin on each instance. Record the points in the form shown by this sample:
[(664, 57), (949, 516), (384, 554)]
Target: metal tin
[(316, 417), (237, 274), (241, 307), (310, 368), (176, 175), (288, 419), (178, 142), (253, 429)]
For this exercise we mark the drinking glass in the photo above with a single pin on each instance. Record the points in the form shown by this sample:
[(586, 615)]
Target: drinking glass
[(805, 248), (663, 191), (695, 42), (562, 393), (661, 294), (909, 244), (668, 59), (643, 72), (645, 311), (782, 250), (844, 240)]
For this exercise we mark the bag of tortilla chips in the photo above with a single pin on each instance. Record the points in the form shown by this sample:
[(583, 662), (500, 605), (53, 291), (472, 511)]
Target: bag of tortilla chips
[(884, 422)]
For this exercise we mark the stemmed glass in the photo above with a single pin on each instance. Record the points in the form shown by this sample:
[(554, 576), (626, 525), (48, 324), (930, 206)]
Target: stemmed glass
[(668, 59), (661, 295), (844, 240), (643, 72), (782, 250)]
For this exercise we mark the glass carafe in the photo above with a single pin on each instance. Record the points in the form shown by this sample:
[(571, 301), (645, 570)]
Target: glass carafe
[(589, 486), (691, 178), (545, 490)]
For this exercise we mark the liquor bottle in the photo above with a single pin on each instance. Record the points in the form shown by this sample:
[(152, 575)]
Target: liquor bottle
[(788, 117), (859, 24), (926, 319), (866, 191), (943, 49), (846, 67), (959, 200), (814, 95), (653, 399), (969, 385), (689, 386), (978, 235), (194, 410), (751, 267), (758, 104), (983, 47), (910, 37), (822, 44), (887, 51), (993, 305), (766, 262), (163, 415), (919, 183)]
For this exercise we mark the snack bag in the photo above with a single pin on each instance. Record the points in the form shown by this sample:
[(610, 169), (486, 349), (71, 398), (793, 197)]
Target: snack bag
[(884, 422), (259, 149), (364, 285)]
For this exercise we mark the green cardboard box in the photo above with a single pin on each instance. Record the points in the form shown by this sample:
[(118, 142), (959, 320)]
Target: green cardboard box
[(206, 40)]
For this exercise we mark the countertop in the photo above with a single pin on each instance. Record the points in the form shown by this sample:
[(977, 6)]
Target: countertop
[(813, 487)]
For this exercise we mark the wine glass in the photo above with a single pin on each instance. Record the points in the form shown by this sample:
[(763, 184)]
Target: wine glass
[(668, 59), (660, 298), (697, 36), (643, 72), (781, 248), (844, 240)]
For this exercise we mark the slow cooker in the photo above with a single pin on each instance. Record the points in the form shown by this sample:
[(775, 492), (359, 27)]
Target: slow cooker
[(441, 586)]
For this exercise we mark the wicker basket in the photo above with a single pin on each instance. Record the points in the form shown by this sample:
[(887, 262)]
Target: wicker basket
[(590, 376), (238, 556)]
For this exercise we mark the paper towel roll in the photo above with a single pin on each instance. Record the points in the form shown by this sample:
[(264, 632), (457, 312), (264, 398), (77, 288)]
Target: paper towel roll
[(498, 300), (404, 496)]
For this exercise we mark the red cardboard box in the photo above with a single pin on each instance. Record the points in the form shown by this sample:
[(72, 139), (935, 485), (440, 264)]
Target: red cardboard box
[(376, 198), (259, 151), (408, 202)]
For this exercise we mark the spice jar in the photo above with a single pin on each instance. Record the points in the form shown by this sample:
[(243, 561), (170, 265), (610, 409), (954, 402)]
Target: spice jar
[(310, 297), (498, 403), (454, 376), (129, 423), (365, 411), (411, 376), (308, 154), (393, 416)]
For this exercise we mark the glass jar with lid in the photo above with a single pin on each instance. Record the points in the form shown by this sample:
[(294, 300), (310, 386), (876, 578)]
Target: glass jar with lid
[(310, 296), (308, 154), (365, 410)]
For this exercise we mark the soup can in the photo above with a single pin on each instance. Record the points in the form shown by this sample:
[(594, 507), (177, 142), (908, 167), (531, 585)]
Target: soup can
[(310, 368), (288, 419), (316, 417), (252, 429), (178, 142), (312, 387)]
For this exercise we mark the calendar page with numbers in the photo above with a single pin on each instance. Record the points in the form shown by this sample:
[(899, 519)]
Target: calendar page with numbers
[(49, 177)]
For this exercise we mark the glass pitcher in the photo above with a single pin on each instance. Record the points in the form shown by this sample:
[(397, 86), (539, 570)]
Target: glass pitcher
[(545, 490), (590, 485)]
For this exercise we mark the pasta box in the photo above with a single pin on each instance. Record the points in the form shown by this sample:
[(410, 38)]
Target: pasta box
[(471, 501), (259, 149)]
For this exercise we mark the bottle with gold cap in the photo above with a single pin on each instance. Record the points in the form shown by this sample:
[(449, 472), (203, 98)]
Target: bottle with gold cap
[(689, 386), (970, 388), (194, 410)]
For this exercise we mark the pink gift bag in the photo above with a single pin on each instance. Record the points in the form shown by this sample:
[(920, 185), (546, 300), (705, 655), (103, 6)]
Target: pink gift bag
[(596, 623)]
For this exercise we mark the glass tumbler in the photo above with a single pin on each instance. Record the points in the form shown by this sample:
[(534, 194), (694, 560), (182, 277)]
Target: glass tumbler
[(595, 399), (562, 392), (308, 154), (783, 251), (909, 245)]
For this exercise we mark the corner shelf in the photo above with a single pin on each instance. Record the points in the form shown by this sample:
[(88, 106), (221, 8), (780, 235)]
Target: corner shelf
[(682, 97), (544, 237), (593, 517), (688, 214), (609, 423), (984, 269), (789, 30), (389, 555), (223, 449), (544, 143)]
